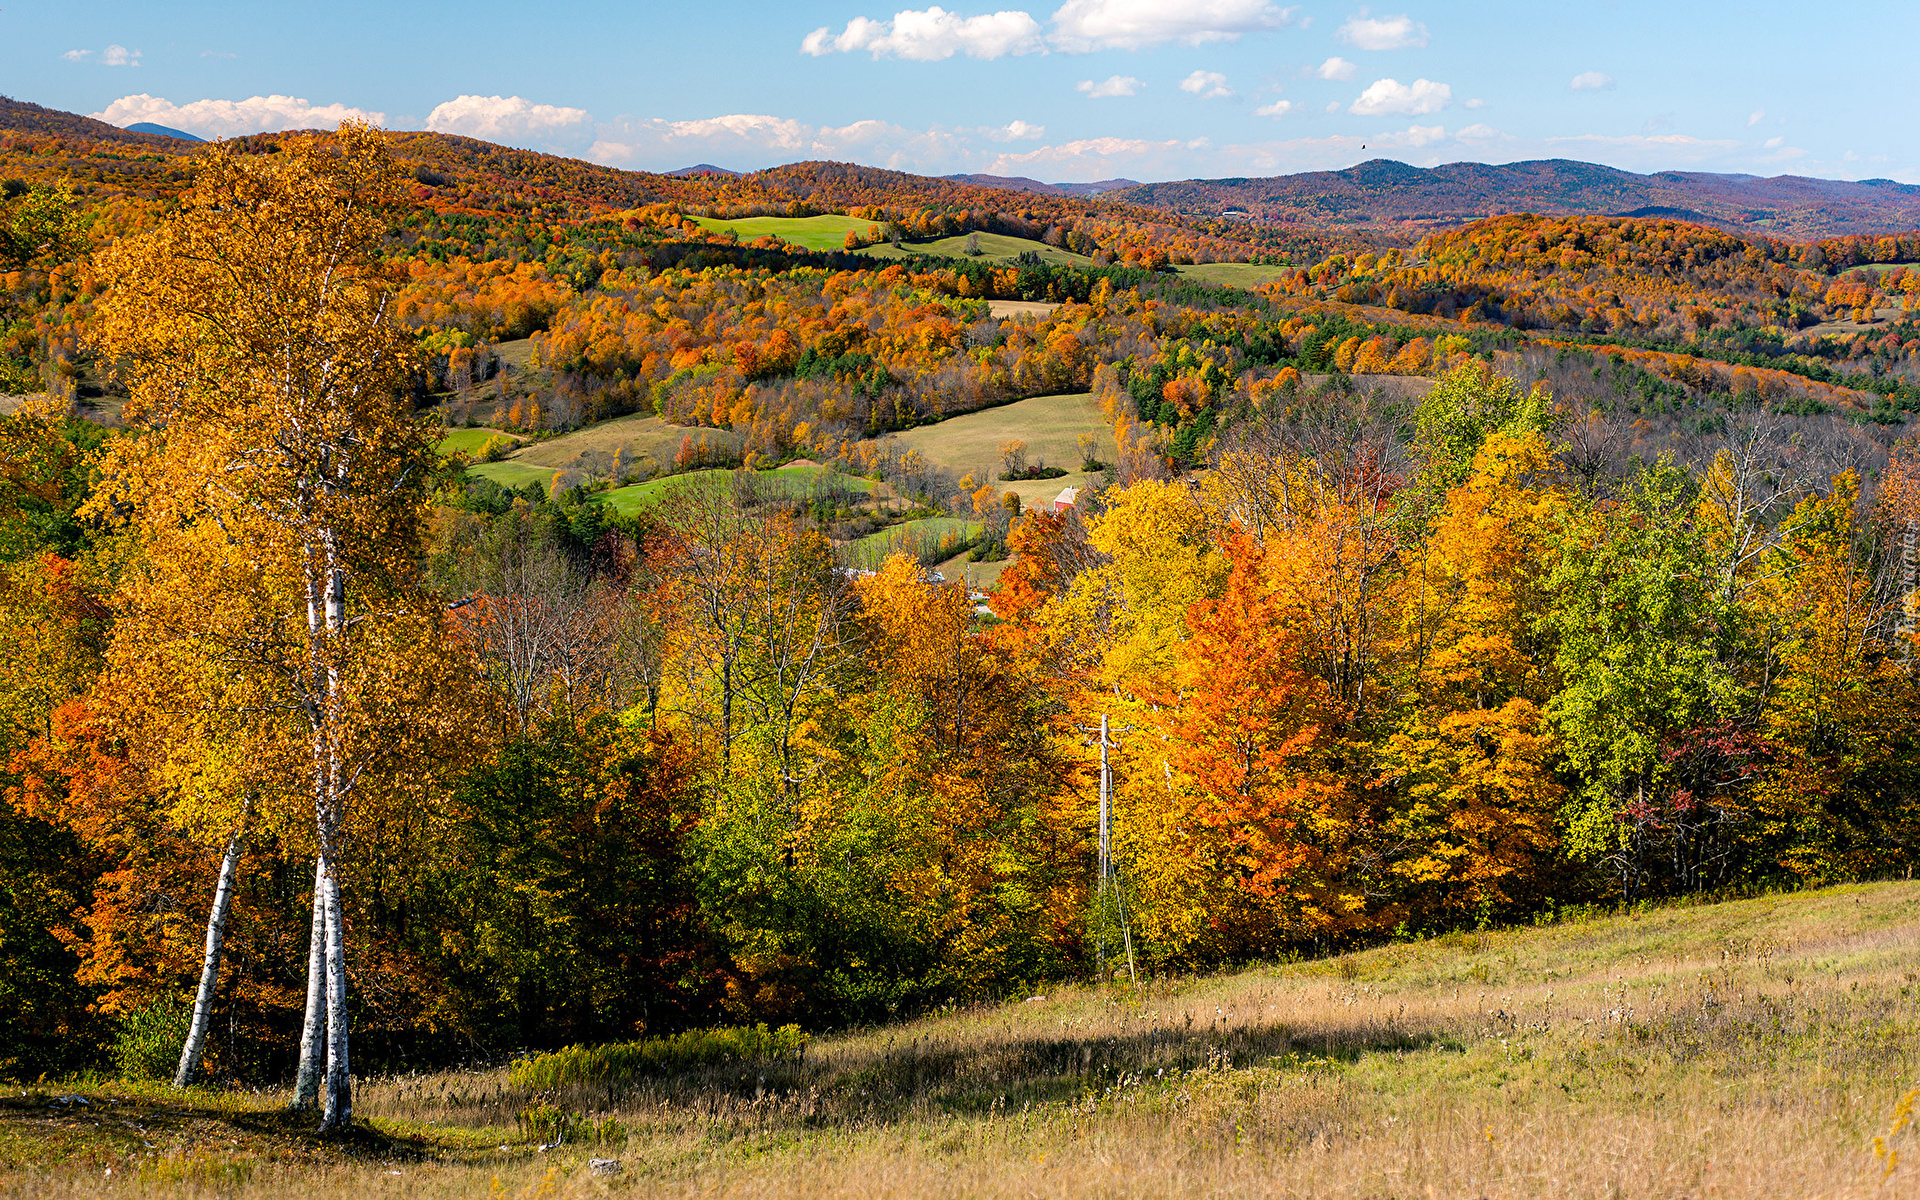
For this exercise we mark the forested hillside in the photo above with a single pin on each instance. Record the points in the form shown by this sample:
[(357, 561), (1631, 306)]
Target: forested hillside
[(1395, 198), (1549, 561)]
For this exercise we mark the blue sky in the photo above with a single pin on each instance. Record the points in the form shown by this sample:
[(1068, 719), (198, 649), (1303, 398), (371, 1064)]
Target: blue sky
[(1080, 90)]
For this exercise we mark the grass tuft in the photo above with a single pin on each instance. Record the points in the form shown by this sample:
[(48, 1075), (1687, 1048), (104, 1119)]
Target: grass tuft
[(657, 1055)]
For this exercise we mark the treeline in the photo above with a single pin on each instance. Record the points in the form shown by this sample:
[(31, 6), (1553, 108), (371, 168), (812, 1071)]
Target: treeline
[(304, 740)]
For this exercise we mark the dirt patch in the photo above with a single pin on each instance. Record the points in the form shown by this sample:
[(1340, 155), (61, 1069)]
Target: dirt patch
[(1002, 309)]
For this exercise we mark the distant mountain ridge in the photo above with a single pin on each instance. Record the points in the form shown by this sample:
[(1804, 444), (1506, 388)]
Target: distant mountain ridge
[(164, 131), (51, 122), (1020, 183), (1385, 195)]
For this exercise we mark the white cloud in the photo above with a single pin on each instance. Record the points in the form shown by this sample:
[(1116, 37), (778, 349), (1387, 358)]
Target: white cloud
[(119, 56), (1420, 135), (1476, 102), (1773, 143), (1112, 85), (927, 35), (1017, 131), (1758, 115), (510, 119), (77, 55), (1333, 106), (751, 140), (1336, 68), (1389, 96), (1080, 26), (1383, 33), (1279, 108), (1478, 133), (1208, 85), (231, 118), (1590, 81)]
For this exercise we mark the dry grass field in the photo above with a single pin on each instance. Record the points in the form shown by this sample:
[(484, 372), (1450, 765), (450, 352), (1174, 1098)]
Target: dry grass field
[(1748, 1049), (1240, 275), (1049, 425)]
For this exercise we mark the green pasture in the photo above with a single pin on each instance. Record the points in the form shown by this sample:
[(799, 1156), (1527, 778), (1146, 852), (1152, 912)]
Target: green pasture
[(510, 474), (790, 481), (994, 247), (467, 441), (828, 231), (1239, 275)]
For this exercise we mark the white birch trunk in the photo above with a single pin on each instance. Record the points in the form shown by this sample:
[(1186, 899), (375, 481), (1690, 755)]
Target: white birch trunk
[(313, 1032), (190, 1054)]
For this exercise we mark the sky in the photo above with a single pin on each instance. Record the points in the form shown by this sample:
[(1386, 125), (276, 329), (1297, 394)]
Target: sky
[(1087, 90)]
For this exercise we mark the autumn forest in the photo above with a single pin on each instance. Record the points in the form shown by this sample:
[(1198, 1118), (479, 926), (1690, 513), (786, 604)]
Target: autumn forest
[(1425, 586)]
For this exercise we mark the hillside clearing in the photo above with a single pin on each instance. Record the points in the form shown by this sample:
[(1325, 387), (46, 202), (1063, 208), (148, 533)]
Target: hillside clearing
[(796, 481), (994, 247), (1240, 275), (1049, 425), (828, 231), (1752, 1048)]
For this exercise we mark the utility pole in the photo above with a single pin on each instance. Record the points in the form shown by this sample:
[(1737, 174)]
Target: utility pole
[(1107, 883)]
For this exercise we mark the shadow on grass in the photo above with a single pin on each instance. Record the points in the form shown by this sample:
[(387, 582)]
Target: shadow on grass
[(968, 1077)]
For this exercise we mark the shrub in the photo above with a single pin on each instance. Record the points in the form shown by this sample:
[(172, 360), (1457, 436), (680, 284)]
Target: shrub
[(679, 1052), (150, 1040), (496, 448)]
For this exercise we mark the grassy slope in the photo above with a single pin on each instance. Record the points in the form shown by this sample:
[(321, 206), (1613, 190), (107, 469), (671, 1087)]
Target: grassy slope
[(874, 548), (1240, 275), (994, 247), (1048, 425), (798, 480), (1748, 1049), (468, 441), (827, 231)]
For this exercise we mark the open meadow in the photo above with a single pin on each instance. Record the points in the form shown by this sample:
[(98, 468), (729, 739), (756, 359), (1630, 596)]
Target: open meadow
[(828, 231), (1753, 1048), (1049, 425)]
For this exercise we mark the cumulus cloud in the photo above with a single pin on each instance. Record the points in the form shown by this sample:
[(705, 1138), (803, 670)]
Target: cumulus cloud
[(1081, 26), (1383, 33), (1478, 133), (1758, 115), (1208, 85), (1336, 68), (750, 140), (1590, 81), (927, 35), (1112, 85), (112, 56), (1017, 131), (1279, 108), (1391, 97), (1476, 102), (232, 118), (511, 119)]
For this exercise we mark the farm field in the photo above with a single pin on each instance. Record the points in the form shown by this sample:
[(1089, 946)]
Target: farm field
[(469, 441), (509, 473), (1753, 1048), (1240, 275), (634, 436), (828, 231), (994, 247), (794, 480), (1049, 425), (908, 537)]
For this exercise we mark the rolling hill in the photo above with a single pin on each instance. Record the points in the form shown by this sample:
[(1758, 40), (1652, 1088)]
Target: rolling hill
[(1386, 196)]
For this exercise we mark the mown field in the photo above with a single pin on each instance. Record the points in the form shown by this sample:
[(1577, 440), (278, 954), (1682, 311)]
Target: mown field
[(1746, 1049), (1049, 425), (796, 481), (828, 231), (994, 247)]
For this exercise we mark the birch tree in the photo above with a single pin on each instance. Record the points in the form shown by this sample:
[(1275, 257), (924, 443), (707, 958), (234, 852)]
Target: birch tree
[(254, 330)]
